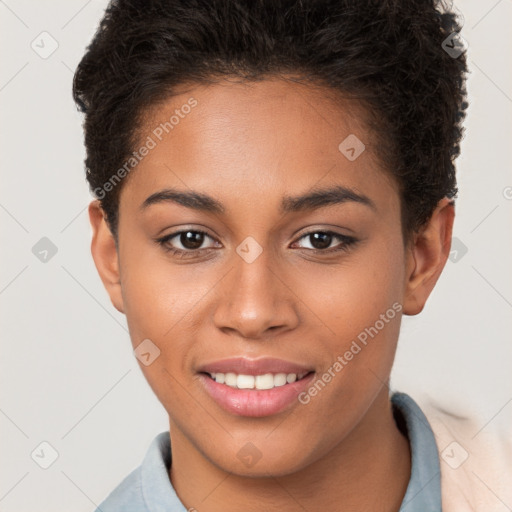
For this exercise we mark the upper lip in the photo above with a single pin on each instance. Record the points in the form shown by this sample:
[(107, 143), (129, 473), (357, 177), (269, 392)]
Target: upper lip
[(245, 366)]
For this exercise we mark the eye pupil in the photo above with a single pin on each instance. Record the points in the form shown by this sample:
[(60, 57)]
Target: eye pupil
[(321, 240), (192, 239)]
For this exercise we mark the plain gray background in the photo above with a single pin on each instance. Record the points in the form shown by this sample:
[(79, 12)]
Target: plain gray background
[(68, 375)]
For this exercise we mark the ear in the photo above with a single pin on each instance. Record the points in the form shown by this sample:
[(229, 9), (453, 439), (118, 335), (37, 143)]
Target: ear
[(427, 255), (104, 253)]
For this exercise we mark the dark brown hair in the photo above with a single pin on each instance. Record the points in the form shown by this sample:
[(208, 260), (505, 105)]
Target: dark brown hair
[(389, 54)]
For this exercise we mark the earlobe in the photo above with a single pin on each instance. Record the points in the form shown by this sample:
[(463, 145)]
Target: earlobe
[(104, 253), (427, 257)]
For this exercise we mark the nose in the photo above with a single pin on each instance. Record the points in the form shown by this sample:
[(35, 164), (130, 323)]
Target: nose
[(255, 299)]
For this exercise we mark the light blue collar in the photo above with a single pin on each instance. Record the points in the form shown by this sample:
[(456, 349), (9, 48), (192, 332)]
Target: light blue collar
[(423, 493)]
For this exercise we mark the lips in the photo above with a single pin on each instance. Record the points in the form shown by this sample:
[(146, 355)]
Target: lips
[(262, 366), (255, 387)]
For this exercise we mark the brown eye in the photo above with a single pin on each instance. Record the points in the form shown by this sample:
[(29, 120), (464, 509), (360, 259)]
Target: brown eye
[(191, 239), (322, 240), (185, 241)]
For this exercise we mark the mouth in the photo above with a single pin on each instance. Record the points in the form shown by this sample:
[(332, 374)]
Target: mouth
[(255, 388), (258, 382)]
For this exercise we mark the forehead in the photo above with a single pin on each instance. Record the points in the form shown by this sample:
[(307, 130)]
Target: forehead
[(254, 141)]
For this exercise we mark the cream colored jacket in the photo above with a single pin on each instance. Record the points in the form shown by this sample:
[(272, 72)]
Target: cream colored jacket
[(476, 460)]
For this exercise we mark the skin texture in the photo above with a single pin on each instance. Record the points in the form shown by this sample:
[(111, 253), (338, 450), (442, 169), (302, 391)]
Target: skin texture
[(248, 146)]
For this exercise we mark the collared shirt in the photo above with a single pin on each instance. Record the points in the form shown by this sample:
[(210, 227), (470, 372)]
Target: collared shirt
[(149, 489)]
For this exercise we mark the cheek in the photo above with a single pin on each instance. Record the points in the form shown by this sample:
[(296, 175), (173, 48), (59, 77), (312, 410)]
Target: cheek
[(158, 295), (361, 305), (354, 294), (160, 300)]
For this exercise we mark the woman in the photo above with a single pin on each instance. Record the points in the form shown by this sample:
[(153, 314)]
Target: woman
[(275, 188)]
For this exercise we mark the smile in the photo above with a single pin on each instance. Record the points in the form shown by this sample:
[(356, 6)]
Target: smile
[(258, 382)]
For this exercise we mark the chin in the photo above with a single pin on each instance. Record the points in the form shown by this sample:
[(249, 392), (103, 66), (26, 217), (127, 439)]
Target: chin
[(249, 461)]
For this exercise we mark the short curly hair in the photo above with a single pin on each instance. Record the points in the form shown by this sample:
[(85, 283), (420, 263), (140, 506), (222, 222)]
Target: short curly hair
[(389, 55)]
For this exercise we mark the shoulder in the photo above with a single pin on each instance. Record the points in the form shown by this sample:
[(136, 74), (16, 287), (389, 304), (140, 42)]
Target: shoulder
[(146, 484), (126, 497), (475, 459)]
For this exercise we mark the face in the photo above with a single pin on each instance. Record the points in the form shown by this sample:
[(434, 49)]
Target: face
[(256, 250)]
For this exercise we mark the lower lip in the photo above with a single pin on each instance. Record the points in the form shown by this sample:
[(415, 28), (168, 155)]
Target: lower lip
[(254, 402)]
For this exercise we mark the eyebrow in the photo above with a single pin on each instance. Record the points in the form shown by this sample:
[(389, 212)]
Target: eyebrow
[(315, 199)]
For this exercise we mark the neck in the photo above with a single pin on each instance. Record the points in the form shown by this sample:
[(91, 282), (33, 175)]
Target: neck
[(368, 470)]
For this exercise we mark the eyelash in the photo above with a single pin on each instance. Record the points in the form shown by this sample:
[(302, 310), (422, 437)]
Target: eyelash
[(347, 243)]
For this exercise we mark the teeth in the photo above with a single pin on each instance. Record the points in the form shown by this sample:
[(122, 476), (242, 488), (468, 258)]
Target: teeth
[(280, 379), (291, 377), (266, 381), (245, 382), (230, 379)]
